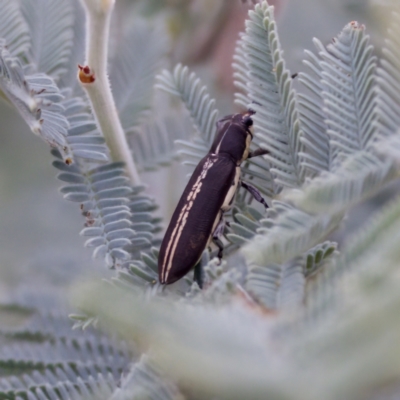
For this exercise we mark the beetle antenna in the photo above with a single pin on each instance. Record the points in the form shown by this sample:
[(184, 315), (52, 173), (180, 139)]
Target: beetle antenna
[(250, 111)]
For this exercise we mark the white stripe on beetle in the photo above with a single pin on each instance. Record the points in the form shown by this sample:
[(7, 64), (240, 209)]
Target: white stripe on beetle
[(182, 219)]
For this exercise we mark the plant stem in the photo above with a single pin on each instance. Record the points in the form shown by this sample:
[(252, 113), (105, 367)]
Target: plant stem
[(94, 79)]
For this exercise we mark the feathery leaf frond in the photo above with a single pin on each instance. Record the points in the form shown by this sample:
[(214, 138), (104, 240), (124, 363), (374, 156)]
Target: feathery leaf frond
[(38, 325), (245, 225), (41, 358), (95, 387), (50, 26), (37, 99), (293, 233), (389, 81), (262, 282), (195, 97), (145, 380), (316, 257), (14, 29), (268, 86), (283, 286), (103, 193), (292, 285), (153, 142), (315, 154), (77, 52), (139, 58), (356, 178), (141, 271), (84, 139), (144, 223), (382, 225), (88, 350), (349, 92)]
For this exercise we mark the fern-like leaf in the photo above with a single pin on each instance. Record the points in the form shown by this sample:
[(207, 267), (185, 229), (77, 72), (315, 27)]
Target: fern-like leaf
[(14, 29), (315, 154), (357, 178), (50, 26), (95, 387), (144, 223), (194, 95), (139, 58), (37, 99), (41, 357), (349, 92), (84, 139), (119, 218), (317, 256), (77, 55), (292, 285), (263, 283), (88, 349), (292, 233), (153, 142), (245, 225), (389, 81), (103, 193), (283, 286), (268, 86), (141, 271), (382, 225), (145, 380)]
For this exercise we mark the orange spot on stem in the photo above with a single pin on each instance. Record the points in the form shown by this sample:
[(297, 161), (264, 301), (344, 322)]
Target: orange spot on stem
[(85, 74)]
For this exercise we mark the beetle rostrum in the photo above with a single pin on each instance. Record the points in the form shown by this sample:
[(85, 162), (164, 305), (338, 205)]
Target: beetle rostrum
[(198, 217)]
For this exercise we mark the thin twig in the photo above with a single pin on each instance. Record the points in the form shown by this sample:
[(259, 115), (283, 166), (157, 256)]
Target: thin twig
[(94, 79)]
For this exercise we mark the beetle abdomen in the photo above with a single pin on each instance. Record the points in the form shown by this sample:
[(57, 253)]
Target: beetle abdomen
[(192, 222)]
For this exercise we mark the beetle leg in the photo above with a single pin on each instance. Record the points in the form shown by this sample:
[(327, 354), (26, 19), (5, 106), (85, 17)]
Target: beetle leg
[(254, 192), (198, 274), (257, 152), (219, 230), (218, 242)]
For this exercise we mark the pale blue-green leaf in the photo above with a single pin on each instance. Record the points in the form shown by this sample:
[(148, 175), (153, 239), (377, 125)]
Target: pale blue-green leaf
[(34, 96), (291, 291), (94, 242), (349, 92), (261, 70), (51, 32), (293, 233), (315, 154), (14, 29), (146, 380), (263, 282), (121, 224), (139, 57), (70, 177), (357, 178), (116, 216), (195, 97), (388, 80), (127, 233)]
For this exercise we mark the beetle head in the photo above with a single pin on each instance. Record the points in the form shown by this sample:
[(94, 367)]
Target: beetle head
[(246, 118), (233, 135)]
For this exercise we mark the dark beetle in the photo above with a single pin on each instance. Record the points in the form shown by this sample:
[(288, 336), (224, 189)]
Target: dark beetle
[(209, 193)]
